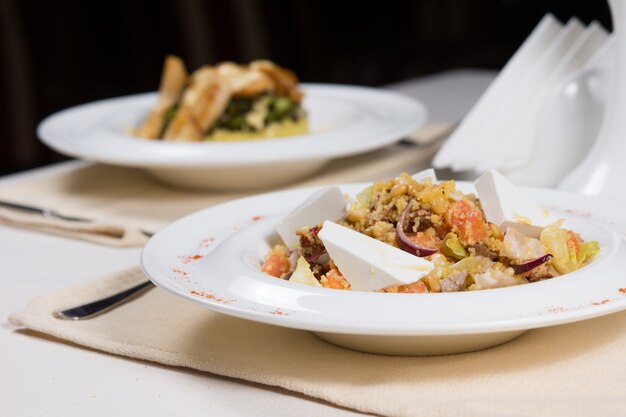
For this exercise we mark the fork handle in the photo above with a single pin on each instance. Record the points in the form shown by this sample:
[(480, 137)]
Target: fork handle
[(22, 207), (94, 308)]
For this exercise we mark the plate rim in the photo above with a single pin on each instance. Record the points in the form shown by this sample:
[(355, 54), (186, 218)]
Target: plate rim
[(195, 155)]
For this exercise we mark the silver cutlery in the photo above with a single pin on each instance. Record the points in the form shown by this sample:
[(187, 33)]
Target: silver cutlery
[(45, 212), (51, 214), (94, 308)]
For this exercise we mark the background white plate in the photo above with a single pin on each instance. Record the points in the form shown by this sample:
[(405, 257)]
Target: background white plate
[(212, 258), (344, 120)]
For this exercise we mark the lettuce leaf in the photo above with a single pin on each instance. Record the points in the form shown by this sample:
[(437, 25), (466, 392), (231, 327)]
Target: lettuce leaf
[(452, 247), (495, 278), (587, 252), (364, 198), (473, 265), (554, 238)]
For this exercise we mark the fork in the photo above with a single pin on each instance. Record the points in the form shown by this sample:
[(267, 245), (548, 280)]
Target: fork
[(45, 212), (52, 214), (97, 307), (93, 308)]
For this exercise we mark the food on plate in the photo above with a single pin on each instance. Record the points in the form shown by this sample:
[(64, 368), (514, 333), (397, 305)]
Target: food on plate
[(225, 102), (413, 234)]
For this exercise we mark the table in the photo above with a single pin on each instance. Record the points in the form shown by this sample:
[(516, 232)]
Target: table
[(44, 376)]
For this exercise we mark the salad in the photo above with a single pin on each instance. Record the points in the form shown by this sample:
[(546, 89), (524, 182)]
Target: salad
[(225, 102), (460, 242)]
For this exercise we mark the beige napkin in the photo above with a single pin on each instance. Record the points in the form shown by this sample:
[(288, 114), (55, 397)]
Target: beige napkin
[(570, 370), (124, 200)]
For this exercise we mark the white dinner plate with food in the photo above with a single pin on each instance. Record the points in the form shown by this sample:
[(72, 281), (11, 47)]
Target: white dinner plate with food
[(343, 121), (213, 258)]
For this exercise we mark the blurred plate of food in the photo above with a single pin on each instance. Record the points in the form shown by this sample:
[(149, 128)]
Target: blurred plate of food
[(233, 126)]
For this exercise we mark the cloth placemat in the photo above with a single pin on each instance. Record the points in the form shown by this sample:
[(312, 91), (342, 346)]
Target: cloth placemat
[(128, 200), (570, 370)]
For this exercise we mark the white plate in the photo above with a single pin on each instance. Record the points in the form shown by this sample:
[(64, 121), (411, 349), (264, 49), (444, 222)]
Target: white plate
[(344, 120), (212, 258)]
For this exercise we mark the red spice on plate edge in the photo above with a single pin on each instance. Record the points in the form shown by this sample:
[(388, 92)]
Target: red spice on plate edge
[(189, 258), (211, 296), (279, 312), (206, 242), (559, 309), (180, 272), (580, 213)]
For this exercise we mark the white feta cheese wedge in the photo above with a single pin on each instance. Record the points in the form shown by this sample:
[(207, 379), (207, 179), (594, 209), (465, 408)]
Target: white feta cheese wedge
[(506, 205), (326, 204), (427, 173), (369, 264)]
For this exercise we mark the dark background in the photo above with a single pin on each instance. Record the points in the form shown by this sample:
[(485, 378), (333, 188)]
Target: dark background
[(58, 54)]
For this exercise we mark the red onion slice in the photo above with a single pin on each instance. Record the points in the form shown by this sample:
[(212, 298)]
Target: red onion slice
[(315, 256), (404, 242), (530, 265)]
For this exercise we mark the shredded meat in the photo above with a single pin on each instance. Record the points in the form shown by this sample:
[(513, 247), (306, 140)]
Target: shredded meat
[(481, 249), (455, 282), (421, 220), (540, 273), (310, 243)]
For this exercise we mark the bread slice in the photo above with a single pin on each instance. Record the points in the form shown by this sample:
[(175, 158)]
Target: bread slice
[(183, 128), (173, 80), (204, 101), (243, 81), (285, 80)]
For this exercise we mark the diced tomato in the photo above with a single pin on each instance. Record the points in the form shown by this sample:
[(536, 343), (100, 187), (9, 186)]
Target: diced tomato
[(468, 221), (334, 279), (276, 265), (442, 229), (573, 242), (425, 239), (415, 287)]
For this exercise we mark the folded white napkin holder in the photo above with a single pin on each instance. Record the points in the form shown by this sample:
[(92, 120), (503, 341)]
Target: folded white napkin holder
[(602, 171), (571, 132)]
